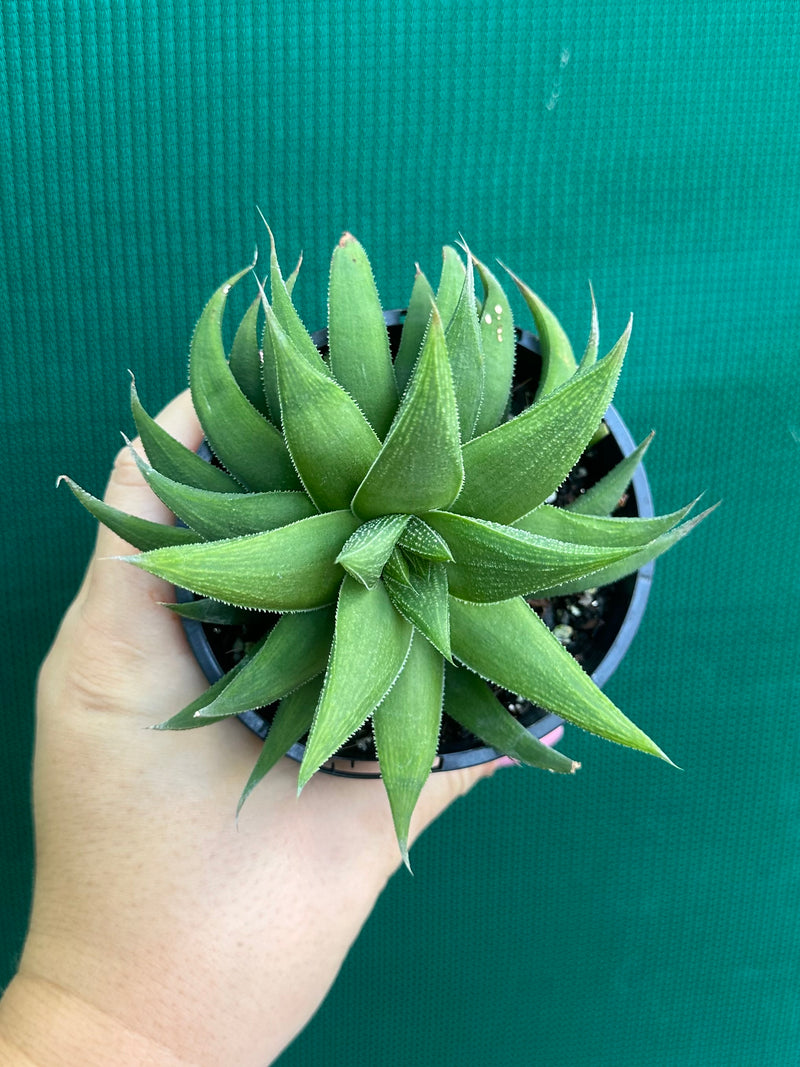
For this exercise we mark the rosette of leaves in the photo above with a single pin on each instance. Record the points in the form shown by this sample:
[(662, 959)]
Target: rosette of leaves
[(394, 516)]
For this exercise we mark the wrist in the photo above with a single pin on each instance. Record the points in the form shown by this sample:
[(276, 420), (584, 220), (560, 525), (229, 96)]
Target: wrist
[(43, 1025)]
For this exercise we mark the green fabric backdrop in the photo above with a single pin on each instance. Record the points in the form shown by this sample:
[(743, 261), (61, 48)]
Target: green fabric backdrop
[(634, 914)]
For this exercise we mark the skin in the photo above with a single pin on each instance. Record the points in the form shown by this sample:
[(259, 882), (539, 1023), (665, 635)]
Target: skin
[(163, 933)]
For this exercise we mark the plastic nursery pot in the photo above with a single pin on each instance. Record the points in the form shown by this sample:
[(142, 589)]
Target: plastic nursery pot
[(597, 627)]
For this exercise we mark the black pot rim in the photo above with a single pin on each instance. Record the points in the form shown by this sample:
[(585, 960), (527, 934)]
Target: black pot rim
[(549, 721)]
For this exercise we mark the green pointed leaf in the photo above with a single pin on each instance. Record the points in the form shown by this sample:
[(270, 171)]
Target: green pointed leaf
[(245, 359), (420, 539), (175, 460), (514, 468), (366, 552), (604, 496), (562, 525), (406, 727), (292, 326), (419, 466), (414, 328), (249, 446), (292, 719), (451, 283), (508, 644), (589, 359), (141, 533), (286, 314), (472, 704), (465, 352), (290, 569), (493, 562), (370, 646), (499, 346), (208, 610), (269, 372), (289, 284), (558, 361), (186, 718), (359, 344), (296, 650), (424, 602), (615, 571), (397, 569), (417, 564), (216, 515), (250, 513), (331, 443), (593, 344)]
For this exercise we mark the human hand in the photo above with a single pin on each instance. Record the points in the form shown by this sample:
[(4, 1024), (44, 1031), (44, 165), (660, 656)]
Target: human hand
[(162, 931)]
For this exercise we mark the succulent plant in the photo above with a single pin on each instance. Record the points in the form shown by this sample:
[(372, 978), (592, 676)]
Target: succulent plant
[(394, 515)]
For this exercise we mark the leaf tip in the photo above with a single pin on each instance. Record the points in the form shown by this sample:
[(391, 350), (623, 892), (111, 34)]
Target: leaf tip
[(262, 294), (403, 844), (303, 779), (240, 805), (515, 278), (462, 244), (691, 523), (653, 750)]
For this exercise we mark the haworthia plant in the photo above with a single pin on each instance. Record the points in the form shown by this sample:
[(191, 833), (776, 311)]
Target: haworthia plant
[(394, 517)]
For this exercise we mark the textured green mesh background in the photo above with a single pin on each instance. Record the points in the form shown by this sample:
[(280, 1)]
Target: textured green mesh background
[(634, 914)]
